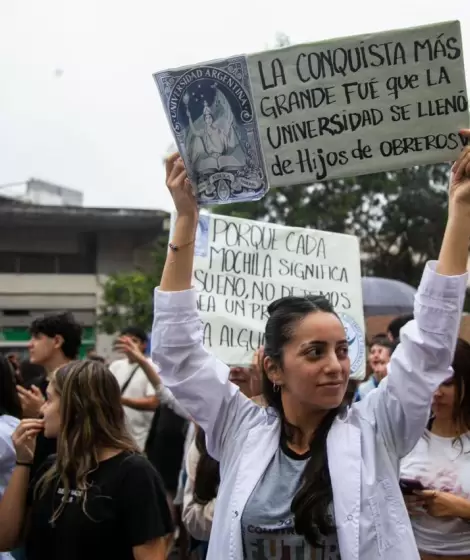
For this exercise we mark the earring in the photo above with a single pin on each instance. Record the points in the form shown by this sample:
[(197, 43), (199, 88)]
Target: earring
[(276, 388)]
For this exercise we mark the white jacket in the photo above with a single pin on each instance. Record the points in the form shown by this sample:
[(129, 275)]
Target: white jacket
[(364, 447)]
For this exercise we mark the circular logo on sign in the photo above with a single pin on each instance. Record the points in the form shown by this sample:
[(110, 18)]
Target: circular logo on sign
[(356, 342)]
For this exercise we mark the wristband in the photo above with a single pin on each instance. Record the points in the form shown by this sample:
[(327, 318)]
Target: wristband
[(23, 464), (176, 248)]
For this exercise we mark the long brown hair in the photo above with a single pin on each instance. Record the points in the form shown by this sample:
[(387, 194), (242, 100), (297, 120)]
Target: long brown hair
[(91, 418), (461, 380), (207, 479)]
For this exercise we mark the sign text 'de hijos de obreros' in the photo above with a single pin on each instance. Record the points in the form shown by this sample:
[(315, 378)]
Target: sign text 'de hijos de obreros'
[(318, 111), (241, 266), (362, 104)]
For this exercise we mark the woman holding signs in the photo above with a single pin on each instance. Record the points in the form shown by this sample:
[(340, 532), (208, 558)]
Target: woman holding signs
[(306, 476)]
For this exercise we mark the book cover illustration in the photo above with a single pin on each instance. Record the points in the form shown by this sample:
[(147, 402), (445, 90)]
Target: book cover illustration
[(210, 110)]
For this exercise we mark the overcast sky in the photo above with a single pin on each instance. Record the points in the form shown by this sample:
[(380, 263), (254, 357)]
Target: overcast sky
[(78, 105)]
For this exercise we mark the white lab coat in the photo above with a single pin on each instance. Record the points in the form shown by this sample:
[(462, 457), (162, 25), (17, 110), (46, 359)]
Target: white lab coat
[(364, 446)]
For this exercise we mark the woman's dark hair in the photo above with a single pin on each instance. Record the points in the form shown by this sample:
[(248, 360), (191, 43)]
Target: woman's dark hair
[(461, 379), (311, 505), (397, 324), (9, 400), (207, 480), (351, 390)]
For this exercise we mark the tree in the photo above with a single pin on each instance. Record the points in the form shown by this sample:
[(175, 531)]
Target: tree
[(128, 296), (411, 224)]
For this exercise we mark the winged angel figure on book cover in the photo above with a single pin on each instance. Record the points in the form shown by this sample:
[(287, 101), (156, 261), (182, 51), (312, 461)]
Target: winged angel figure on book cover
[(211, 113)]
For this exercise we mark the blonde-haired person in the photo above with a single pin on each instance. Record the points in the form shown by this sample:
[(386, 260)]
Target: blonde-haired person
[(308, 475), (98, 497)]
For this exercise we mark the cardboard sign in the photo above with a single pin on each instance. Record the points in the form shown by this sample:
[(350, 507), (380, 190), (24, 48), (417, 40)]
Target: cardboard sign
[(319, 111), (241, 266)]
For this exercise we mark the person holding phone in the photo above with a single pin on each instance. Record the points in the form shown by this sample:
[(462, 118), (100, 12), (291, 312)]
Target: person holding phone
[(435, 476)]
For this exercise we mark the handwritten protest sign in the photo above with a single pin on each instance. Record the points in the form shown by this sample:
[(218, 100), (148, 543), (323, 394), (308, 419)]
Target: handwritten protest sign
[(241, 266), (320, 111), (361, 104)]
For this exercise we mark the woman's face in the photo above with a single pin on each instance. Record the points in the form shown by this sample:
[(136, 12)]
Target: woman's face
[(443, 400), (51, 413), (316, 364)]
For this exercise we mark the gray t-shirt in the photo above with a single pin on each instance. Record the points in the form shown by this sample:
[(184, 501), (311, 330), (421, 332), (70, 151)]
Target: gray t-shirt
[(267, 521)]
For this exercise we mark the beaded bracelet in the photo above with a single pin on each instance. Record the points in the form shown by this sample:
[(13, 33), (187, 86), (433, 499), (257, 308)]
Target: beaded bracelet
[(176, 248)]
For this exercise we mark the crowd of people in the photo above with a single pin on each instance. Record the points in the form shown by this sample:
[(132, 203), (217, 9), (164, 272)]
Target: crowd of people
[(287, 459)]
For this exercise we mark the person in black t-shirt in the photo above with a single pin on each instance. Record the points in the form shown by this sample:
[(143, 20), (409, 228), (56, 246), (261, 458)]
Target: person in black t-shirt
[(98, 497)]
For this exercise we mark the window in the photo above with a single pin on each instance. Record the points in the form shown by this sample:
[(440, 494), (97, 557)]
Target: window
[(37, 263), (8, 263), (16, 313), (46, 263), (75, 264)]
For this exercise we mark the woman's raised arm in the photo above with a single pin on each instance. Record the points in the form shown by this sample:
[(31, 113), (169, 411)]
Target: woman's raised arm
[(197, 379), (178, 270), (401, 404)]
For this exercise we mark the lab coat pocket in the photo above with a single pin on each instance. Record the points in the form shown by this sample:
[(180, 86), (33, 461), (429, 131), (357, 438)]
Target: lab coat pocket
[(387, 515)]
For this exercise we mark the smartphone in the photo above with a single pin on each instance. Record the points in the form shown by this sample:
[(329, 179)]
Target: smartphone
[(408, 486)]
